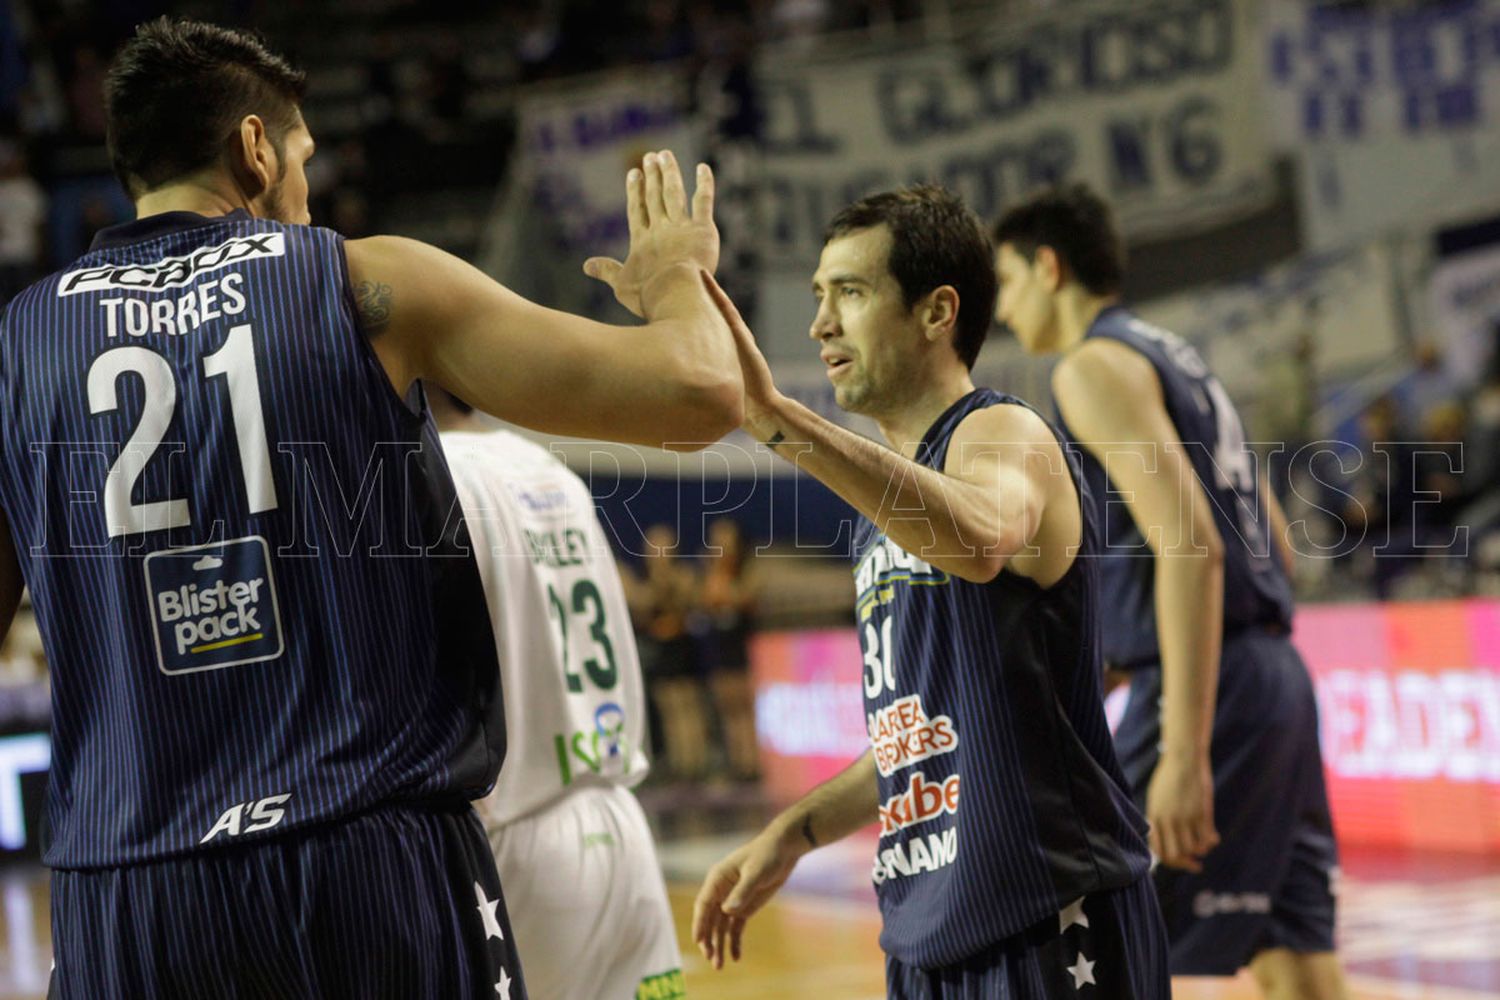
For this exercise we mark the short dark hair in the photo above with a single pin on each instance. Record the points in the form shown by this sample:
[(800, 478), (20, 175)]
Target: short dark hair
[(935, 241), (178, 89), (1079, 227)]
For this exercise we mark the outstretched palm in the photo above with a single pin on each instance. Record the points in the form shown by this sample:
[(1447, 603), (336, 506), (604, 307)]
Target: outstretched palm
[(664, 234)]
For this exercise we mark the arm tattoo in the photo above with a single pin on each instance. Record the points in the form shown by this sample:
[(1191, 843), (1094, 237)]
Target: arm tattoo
[(807, 830), (771, 443), (373, 300)]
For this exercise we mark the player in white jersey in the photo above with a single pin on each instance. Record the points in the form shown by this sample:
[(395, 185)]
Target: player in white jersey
[(581, 877)]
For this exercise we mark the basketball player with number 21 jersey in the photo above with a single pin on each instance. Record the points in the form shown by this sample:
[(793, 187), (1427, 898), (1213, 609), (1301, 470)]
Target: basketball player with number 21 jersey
[(1011, 864), (274, 686), (1220, 733)]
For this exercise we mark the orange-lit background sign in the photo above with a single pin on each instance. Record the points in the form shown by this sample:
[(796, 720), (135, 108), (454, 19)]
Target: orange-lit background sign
[(1409, 696)]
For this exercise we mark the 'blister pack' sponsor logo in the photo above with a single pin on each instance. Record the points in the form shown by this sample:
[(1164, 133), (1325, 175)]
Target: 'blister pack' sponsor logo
[(213, 606)]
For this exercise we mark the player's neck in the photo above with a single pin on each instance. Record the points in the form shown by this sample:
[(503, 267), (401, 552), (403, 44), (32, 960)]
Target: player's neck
[(450, 419), (1077, 309), (904, 426), (198, 195)]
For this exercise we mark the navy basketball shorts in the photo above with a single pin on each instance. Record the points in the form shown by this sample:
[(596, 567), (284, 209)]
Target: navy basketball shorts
[(1110, 945), (401, 902), (1271, 881)]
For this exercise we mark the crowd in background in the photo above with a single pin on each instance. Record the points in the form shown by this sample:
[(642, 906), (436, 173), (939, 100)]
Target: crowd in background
[(1403, 499), (693, 621), (401, 85)]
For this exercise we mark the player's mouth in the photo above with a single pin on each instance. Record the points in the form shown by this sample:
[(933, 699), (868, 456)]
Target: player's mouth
[(836, 363)]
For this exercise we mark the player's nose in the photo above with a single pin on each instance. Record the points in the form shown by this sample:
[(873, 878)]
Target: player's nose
[(824, 325)]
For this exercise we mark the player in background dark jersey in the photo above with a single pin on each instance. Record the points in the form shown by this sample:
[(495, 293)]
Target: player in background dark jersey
[(1220, 736), (266, 730), (1011, 863)]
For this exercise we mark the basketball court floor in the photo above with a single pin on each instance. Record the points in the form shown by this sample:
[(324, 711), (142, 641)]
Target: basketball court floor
[(1411, 928)]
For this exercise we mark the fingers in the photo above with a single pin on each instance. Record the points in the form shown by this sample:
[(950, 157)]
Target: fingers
[(1174, 843), (674, 195), (720, 930), (709, 918), (1204, 837), (709, 901), (757, 883), (703, 195), (603, 269), (736, 932), (1171, 848), (725, 303), (656, 211), (635, 202)]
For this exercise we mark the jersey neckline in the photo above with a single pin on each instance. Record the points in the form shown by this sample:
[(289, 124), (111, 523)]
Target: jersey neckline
[(159, 225), (930, 437), (1099, 317)]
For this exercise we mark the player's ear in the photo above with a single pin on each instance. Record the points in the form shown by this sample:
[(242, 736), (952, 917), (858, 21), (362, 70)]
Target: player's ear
[(1049, 268), (939, 311), (252, 159)]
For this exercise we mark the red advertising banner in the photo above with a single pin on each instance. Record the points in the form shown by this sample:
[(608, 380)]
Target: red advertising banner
[(1408, 695), (809, 712), (1409, 702)]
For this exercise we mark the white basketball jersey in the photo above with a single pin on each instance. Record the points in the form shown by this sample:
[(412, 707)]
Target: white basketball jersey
[(575, 710)]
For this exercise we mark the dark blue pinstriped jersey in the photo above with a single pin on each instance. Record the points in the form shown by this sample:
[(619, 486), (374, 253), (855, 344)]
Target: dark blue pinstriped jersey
[(221, 507), (1256, 589), (1001, 800)]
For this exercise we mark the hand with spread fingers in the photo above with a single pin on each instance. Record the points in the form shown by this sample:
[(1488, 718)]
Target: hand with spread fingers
[(664, 233), (737, 887)]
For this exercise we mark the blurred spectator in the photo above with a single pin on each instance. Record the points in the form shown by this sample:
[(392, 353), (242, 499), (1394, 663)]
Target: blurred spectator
[(1291, 384), (797, 20), (350, 214), (1382, 513), (94, 213), (86, 93), (662, 601), (1482, 456), (444, 86), (1429, 385), (729, 597), (22, 659), (667, 35), (1441, 480), (23, 210)]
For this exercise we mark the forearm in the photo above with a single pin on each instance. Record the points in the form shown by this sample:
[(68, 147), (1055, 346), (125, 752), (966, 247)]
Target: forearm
[(690, 334), (1189, 617), (955, 525), (838, 807)]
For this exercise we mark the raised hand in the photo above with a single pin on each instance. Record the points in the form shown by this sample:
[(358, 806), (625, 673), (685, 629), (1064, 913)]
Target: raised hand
[(664, 233)]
